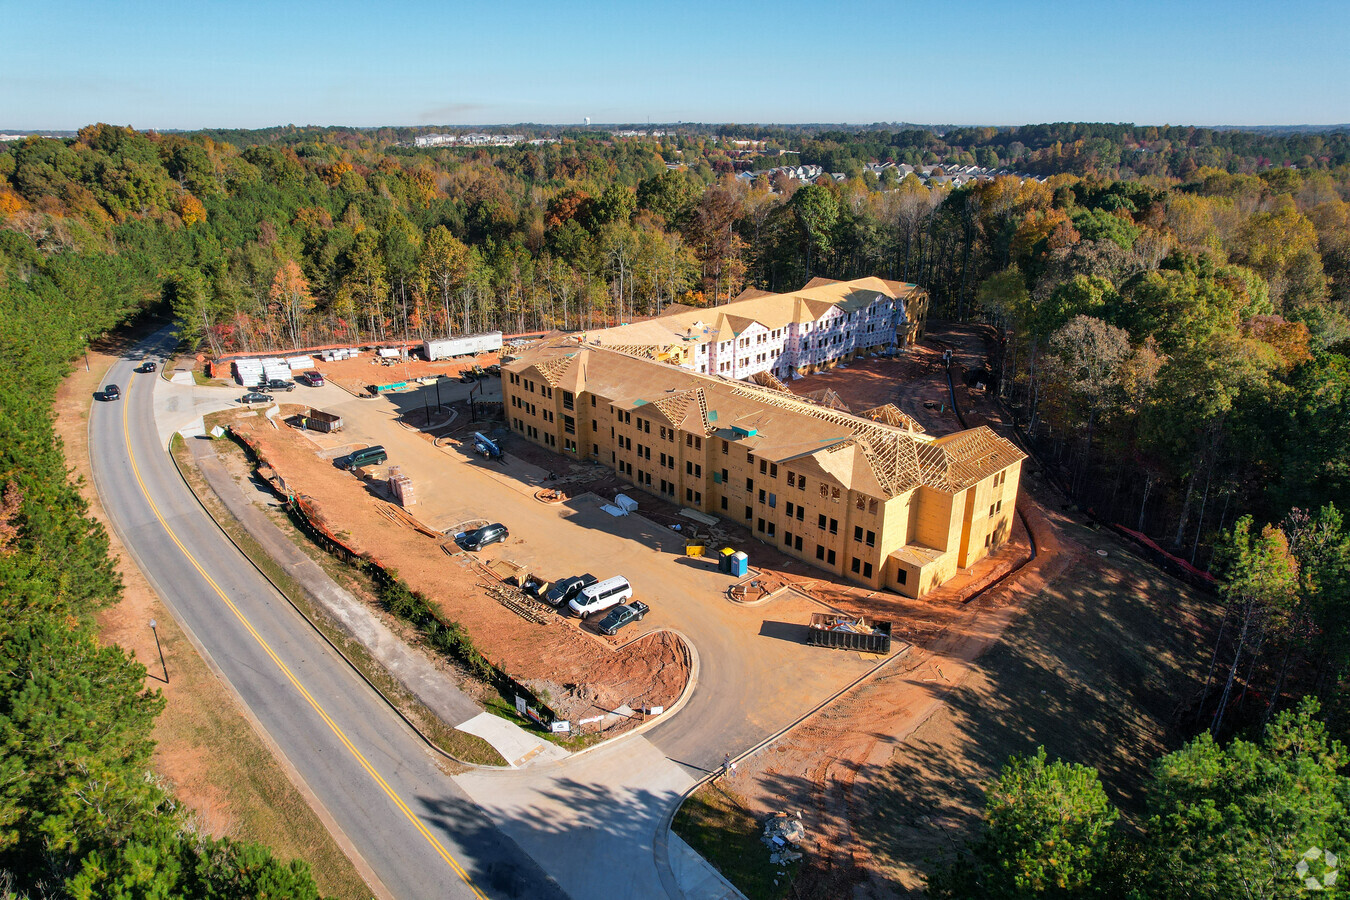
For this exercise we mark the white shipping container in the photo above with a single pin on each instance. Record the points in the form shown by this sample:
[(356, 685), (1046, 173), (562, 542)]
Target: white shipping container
[(389, 353)]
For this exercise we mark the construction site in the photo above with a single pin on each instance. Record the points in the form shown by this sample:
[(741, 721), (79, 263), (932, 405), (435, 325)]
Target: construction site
[(790, 685)]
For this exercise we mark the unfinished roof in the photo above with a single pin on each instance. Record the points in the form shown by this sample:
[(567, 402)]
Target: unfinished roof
[(722, 323), (863, 454)]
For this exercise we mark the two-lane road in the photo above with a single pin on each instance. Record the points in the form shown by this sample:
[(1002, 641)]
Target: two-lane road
[(413, 826)]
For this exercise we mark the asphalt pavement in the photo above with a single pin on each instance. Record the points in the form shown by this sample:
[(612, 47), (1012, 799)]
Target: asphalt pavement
[(413, 826)]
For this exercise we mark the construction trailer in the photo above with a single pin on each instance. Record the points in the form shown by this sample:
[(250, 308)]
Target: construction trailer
[(464, 345)]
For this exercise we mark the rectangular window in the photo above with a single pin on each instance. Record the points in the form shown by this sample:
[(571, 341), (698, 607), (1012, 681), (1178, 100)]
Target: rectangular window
[(792, 479), (749, 513), (725, 448), (829, 557), (824, 490), (569, 425), (871, 538), (986, 541), (725, 480), (820, 523), (761, 495), (763, 467), (801, 483), (749, 456), (901, 576), (991, 511), (760, 525), (595, 425), (820, 551), (797, 543), (749, 484), (801, 511), (592, 400), (860, 503), (724, 502), (834, 526), (857, 533), (872, 507), (867, 570), (772, 529), (834, 494), (789, 510), (569, 400), (856, 566), (773, 470)]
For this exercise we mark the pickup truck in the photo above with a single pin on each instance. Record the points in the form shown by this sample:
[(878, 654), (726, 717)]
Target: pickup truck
[(620, 616)]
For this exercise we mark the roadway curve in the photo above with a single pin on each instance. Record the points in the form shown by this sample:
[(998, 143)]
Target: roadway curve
[(413, 826)]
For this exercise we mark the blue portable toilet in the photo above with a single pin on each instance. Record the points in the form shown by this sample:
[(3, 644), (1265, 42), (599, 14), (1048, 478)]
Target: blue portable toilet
[(740, 564)]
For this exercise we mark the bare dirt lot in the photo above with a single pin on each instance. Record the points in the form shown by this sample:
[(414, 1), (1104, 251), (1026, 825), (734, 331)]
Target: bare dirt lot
[(570, 669)]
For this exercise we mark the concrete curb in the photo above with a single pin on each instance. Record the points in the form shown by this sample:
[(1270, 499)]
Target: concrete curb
[(661, 840)]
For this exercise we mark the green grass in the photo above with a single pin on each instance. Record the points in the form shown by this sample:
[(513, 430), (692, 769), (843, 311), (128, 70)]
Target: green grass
[(465, 747), (712, 822)]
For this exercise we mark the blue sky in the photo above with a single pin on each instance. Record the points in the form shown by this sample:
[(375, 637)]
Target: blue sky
[(199, 63)]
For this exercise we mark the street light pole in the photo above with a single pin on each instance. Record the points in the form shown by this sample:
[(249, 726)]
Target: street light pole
[(164, 665)]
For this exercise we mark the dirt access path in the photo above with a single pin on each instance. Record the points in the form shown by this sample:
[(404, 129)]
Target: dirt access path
[(1083, 652), (208, 752)]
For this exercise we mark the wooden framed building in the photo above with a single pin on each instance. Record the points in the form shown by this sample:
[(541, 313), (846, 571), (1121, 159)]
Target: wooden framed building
[(867, 497)]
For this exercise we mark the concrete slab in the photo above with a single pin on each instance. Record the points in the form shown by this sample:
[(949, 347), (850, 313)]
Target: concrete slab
[(592, 817), (516, 745)]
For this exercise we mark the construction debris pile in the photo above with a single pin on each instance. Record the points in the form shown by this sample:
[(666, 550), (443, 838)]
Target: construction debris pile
[(781, 833), (845, 625)]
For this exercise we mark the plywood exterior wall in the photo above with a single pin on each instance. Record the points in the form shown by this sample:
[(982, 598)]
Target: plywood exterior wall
[(720, 474)]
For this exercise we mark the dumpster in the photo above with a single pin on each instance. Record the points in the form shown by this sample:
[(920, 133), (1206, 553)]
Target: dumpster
[(694, 550), (740, 564), (849, 633)]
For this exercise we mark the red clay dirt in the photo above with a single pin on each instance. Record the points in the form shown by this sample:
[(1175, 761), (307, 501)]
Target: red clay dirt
[(575, 673)]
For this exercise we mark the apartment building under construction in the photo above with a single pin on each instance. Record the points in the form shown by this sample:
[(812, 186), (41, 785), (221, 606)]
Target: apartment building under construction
[(781, 334), (868, 497)]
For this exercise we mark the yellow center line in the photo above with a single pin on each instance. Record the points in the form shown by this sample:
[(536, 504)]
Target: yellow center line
[(285, 670)]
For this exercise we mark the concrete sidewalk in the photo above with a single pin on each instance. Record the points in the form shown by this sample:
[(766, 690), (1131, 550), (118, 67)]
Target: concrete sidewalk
[(595, 822)]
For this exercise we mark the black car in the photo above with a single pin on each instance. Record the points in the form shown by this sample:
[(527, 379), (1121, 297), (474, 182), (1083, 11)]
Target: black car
[(112, 392), (565, 589), (620, 616), (280, 384), (256, 397), (146, 366), (481, 537)]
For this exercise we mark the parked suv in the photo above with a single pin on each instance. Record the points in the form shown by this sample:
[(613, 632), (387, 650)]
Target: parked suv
[(366, 456), (481, 537), (313, 379), (565, 589)]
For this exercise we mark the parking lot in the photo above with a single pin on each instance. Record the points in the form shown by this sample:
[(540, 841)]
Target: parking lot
[(755, 673)]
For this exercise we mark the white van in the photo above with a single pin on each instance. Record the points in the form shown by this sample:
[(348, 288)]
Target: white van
[(610, 592)]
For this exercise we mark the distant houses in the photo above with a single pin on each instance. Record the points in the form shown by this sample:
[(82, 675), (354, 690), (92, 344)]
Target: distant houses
[(473, 139), (954, 176)]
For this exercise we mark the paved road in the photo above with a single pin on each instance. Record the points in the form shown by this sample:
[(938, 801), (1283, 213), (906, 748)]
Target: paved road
[(415, 828)]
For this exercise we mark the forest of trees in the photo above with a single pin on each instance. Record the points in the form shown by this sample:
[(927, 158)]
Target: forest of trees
[(81, 815), (1169, 315)]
